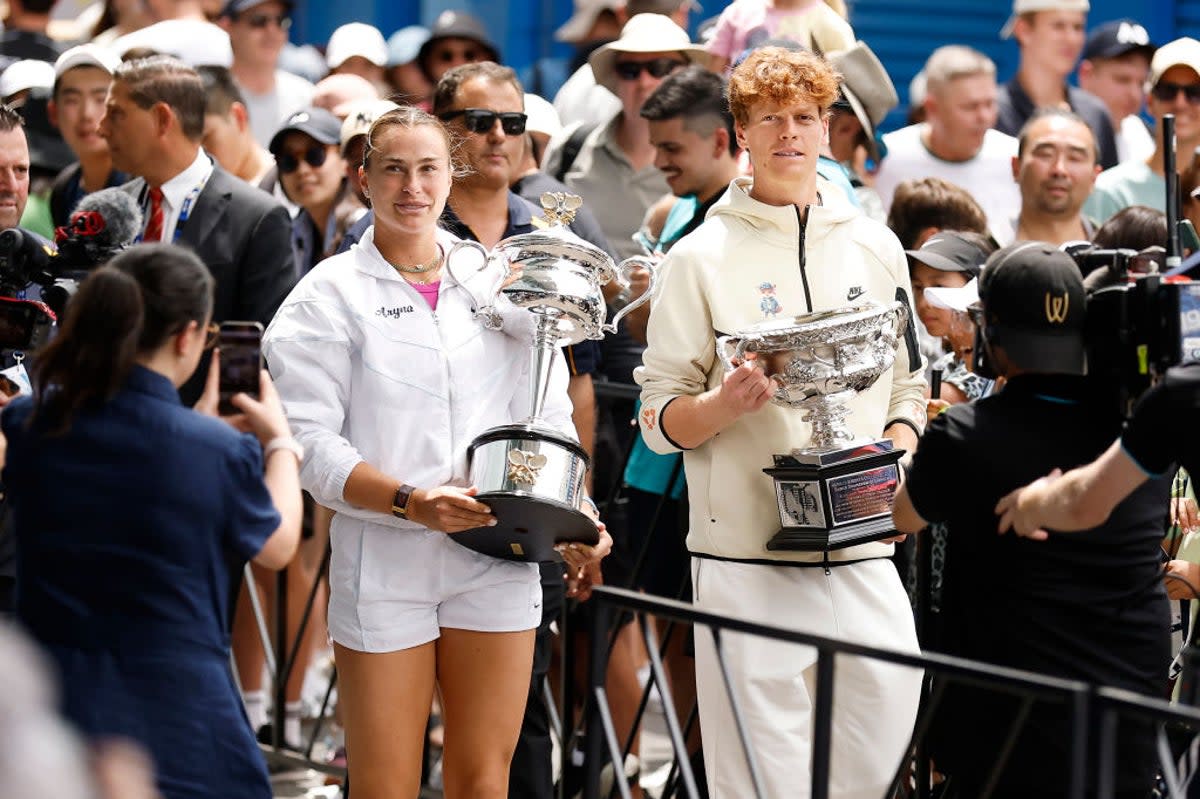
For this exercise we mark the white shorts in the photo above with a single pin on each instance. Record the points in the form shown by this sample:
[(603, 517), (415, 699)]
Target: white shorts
[(395, 589)]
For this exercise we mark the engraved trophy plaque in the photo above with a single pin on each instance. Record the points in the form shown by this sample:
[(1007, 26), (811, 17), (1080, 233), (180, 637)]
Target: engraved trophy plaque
[(531, 475), (837, 491)]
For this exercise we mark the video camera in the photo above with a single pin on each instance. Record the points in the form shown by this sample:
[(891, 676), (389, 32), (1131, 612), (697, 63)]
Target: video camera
[(103, 224), (1139, 322)]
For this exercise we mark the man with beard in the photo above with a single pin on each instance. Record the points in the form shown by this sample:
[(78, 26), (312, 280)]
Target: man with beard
[(1056, 169)]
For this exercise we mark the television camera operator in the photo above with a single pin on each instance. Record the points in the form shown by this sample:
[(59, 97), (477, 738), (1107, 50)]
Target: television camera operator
[(1086, 607)]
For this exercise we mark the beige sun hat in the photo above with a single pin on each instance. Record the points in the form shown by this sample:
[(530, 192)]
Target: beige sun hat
[(644, 33), (867, 88)]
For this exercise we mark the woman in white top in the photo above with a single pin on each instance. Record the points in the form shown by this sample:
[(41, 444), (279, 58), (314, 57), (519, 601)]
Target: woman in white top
[(386, 377)]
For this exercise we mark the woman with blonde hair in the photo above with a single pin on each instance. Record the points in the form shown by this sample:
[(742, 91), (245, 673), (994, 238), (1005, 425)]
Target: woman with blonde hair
[(387, 376)]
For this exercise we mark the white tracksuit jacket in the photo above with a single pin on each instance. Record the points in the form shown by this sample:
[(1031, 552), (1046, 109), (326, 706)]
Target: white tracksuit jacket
[(367, 372)]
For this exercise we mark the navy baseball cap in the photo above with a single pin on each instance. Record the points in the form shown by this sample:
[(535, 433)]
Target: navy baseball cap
[(1118, 38), (316, 122)]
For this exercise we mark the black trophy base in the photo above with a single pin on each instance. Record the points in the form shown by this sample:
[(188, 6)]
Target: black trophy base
[(528, 528), (835, 500)]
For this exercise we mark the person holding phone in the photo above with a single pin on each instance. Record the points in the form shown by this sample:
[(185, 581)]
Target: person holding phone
[(387, 376), (134, 514)]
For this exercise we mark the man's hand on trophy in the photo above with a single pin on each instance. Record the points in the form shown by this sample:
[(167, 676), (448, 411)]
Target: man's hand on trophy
[(747, 388), (449, 509)]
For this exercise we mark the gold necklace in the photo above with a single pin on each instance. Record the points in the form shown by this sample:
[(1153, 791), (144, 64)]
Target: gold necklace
[(420, 269)]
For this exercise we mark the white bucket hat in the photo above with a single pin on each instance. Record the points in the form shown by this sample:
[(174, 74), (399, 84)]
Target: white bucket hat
[(645, 33)]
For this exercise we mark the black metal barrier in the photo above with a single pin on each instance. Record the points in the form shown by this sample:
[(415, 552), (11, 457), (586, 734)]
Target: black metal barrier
[(590, 743), (1081, 700)]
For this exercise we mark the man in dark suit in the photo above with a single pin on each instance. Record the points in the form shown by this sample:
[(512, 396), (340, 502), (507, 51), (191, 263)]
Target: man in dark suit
[(153, 121)]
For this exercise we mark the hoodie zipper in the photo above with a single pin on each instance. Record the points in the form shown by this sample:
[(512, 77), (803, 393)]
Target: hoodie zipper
[(802, 219)]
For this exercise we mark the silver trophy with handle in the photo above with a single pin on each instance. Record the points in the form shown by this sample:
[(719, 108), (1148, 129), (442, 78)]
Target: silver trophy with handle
[(531, 475), (837, 491)]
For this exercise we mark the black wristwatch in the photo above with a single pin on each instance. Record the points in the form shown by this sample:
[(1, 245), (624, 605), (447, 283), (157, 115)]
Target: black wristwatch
[(400, 501)]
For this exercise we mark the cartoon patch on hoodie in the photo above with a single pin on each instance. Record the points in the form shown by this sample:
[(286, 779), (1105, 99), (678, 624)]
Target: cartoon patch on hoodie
[(769, 304)]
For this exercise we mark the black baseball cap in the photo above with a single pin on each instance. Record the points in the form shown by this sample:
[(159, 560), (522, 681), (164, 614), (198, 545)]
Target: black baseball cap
[(316, 122), (1117, 38), (947, 251), (1034, 307)]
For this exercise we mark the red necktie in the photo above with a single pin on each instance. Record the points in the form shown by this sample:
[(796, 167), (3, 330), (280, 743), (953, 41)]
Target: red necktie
[(154, 227)]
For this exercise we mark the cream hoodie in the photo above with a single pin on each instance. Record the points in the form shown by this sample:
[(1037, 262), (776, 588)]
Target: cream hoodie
[(748, 263)]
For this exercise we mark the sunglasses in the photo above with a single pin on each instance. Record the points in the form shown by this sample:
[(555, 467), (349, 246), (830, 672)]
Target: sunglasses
[(976, 314), (481, 120), (449, 56), (314, 156), (211, 334), (260, 21), (658, 68), (1165, 91)]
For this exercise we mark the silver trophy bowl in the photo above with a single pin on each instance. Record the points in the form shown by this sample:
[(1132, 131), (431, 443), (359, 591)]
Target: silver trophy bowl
[(819, 360)]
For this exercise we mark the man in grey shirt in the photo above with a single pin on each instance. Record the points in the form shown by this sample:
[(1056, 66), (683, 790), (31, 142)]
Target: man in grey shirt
[(258, 30)]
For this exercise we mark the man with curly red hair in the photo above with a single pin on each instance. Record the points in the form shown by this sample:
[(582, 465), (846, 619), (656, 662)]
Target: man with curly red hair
[(787, 233)]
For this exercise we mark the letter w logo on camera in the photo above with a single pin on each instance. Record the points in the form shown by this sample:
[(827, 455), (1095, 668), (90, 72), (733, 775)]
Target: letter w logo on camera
[(1056, 308)]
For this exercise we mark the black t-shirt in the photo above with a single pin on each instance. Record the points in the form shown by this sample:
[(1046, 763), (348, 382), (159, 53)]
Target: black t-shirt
[(1087, 605), (1161, 432), (16, 45)]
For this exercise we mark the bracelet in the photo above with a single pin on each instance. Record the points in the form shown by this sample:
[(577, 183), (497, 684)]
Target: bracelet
[(287, 443)]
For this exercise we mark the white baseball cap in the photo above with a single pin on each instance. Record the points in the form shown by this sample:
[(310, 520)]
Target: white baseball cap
[(541, 116), (1030, 6), (954, 299), (360, 116), (1184, 52), (194, 42), (356, 38), (86, 55), (26, 74)]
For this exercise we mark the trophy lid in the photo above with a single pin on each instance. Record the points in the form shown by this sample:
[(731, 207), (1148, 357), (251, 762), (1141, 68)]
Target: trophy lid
[(557, 239)]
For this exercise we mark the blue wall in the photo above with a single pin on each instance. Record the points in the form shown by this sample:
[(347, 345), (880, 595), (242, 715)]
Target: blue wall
[(902, 32)]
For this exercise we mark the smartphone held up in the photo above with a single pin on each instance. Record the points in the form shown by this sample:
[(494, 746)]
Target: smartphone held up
[(240, 344)]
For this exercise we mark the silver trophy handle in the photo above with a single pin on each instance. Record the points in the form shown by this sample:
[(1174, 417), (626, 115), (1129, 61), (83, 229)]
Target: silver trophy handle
[(890, 335), (731, 349), (486, 311), (623, 270)]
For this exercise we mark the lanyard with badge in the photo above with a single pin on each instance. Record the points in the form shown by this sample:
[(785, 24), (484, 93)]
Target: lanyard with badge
[(185, 210)]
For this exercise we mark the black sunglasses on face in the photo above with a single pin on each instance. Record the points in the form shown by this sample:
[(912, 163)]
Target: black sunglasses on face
[(481, 120), (470, 55), (1165, 91), (658, 68), (314, 156), (260, 21)]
